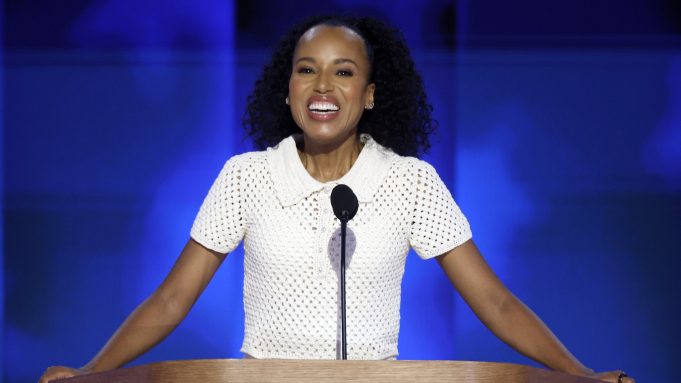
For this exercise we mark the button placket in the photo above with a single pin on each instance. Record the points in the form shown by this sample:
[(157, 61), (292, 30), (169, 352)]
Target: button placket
[(321, 232), (326, 226)]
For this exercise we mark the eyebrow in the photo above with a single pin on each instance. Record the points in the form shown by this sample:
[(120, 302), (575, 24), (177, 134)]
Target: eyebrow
[(336, 61)]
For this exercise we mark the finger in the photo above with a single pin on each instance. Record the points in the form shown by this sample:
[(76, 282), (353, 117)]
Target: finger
[(609, 376), (47, 377), (622, 377), (51, 375), (44, 378), (61, 376)]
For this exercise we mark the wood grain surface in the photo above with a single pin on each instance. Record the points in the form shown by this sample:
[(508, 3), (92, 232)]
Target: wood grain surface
[(303, 371)]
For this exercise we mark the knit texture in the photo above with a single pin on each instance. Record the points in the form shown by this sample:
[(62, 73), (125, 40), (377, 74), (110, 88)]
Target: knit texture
[(292, 247)]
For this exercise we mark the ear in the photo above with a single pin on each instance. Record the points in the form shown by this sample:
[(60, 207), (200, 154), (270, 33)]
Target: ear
[(369, 93)]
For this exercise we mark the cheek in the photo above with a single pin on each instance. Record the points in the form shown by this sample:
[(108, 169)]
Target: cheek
[(295, 87), (297, 107), (355, 97), (296, 92), (356, 91)]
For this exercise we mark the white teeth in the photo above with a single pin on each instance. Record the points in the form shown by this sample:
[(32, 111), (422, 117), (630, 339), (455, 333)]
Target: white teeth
[(323, 107)]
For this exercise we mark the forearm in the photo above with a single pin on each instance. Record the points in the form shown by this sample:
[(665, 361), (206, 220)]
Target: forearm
[(148, 325), (520, 328), (507, 317)]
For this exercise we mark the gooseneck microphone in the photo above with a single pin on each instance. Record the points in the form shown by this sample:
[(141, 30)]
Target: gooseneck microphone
[(345, 205)]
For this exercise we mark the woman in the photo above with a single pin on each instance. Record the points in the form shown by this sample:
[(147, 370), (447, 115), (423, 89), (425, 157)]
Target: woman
[(340, 102)]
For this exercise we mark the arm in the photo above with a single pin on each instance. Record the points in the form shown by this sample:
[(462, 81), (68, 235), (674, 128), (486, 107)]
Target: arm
[(157, 316), (504, 314)]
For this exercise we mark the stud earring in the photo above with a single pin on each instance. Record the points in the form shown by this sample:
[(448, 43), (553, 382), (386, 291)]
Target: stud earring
[(370, 106), (287, 101)]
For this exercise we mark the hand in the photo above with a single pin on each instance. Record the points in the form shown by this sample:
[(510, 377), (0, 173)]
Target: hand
[(612, 376), (60, 372)]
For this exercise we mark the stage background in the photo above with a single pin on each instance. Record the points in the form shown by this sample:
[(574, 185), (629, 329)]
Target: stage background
[(560, 139)]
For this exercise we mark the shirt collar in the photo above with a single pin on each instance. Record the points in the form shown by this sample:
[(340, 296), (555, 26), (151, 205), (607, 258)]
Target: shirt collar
[(293, 183)]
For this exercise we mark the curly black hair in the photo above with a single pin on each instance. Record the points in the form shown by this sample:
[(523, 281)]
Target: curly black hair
[(401, 119)]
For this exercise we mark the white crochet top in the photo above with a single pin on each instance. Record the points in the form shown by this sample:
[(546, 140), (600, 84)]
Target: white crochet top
[(292, 247)]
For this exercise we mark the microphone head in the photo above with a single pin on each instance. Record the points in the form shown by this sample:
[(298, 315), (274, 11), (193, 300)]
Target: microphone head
[(344, 202)]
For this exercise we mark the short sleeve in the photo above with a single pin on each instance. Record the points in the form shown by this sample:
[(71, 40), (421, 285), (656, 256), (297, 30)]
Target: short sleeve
[(438, 225), (220, 223)]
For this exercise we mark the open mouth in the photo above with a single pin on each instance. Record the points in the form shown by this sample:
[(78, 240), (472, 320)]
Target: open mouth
[(323, 107)]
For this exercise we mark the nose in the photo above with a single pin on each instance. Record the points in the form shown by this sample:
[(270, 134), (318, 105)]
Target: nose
[(323, 83)]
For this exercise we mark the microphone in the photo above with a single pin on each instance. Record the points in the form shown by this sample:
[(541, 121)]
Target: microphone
[(344, 203)]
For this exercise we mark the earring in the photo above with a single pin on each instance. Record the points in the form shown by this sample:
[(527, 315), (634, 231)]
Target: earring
[(287, 101), (370, 106)]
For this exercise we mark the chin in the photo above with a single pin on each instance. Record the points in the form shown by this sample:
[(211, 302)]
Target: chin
[(327, 136)]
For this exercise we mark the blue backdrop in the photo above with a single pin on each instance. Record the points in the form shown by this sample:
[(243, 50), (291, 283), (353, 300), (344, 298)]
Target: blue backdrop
[(560, 139)]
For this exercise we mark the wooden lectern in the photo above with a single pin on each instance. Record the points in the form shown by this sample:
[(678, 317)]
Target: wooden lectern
[(321, 371)]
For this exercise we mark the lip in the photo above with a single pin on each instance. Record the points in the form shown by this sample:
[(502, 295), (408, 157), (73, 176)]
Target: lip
[(322, 116)]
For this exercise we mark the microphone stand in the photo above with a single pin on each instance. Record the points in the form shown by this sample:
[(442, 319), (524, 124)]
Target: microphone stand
[(344, 224), (345, 205)]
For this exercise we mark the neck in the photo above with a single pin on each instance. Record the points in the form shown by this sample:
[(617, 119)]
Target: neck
[(327, 163)]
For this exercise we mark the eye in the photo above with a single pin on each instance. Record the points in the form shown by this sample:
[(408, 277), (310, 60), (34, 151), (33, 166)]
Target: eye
[(305, 70), (345, 73)]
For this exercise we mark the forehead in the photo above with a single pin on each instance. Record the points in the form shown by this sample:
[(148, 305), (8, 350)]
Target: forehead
[(322, 39)]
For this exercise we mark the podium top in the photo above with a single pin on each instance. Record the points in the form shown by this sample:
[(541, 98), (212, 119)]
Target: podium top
[(303, 371)]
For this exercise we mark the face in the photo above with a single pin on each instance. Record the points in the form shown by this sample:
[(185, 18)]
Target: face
[(329, 84)]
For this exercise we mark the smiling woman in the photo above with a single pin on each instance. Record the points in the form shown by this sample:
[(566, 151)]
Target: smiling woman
[(329, 90), (329, 86), (395, 110), (340, 103)]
